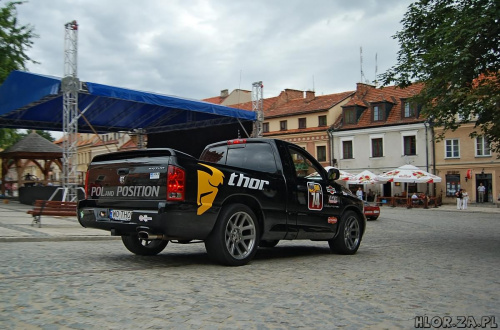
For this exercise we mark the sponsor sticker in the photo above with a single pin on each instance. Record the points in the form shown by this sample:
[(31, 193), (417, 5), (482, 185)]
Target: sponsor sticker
[(333, 199), (145, 218), (314, 196), (331, 190), (332, 220)]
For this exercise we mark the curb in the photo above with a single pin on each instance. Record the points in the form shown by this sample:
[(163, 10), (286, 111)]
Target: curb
[(58, 238)]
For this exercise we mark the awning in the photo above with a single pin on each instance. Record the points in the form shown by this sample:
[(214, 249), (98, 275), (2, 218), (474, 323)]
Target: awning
[(33, 101)]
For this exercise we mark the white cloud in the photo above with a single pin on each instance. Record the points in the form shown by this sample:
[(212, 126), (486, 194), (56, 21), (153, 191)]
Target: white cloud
[(197, 48)]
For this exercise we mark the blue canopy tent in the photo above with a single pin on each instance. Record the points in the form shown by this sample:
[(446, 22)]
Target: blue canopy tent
[(33, 101)]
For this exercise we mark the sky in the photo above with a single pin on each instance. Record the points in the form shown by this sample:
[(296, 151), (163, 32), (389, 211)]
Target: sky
[(196, 48)]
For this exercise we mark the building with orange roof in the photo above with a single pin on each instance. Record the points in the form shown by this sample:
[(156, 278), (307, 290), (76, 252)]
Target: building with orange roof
[(381, 129)]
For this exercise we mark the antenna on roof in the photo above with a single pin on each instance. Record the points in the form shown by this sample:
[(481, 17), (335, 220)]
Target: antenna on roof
[(361, 63), (313, 85), (376, 70)]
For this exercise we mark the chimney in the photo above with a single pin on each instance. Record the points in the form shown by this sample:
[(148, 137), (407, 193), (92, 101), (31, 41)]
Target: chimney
[(293, 94), (363, 89), (224, 93), (310, 95)]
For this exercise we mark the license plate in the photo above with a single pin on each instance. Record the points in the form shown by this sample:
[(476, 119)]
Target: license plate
[(120, 215)]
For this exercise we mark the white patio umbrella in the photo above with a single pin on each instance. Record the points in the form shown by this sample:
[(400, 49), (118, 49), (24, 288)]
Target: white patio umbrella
[(409, 174), (345, 176), (366, 177)]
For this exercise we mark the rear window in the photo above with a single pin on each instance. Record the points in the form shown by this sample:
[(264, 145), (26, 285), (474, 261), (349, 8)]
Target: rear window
[(252, 156)]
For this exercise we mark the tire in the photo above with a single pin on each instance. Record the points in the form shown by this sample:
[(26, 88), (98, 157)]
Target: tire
[(268, 244), (235, 237), (349, 236), (143, 247)]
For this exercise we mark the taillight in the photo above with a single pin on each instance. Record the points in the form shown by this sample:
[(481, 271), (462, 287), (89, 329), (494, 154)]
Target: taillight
[(87, 185), (238, 141), (176, 181)]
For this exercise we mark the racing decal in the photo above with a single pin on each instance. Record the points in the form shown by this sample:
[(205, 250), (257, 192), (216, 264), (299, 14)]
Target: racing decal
[(314, 196), (333, 199), (332, 220), (125, 191), (240, 180), (122, 179), (145, 218), (331, 190), (208, 181)]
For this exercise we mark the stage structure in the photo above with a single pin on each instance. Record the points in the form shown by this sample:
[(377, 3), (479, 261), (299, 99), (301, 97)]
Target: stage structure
[(258, 107), (70, 86)]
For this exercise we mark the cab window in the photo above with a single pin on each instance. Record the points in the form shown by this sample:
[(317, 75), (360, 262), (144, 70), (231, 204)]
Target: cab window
[(303, 166)]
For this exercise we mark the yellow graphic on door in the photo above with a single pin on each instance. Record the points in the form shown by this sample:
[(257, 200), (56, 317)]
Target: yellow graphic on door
[(208, 181)]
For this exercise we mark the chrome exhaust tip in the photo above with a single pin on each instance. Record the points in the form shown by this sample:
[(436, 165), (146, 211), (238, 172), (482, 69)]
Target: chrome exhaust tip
[(149, 236)]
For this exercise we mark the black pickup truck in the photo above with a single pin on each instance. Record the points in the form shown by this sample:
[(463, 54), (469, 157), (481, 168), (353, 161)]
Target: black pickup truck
[(240, 194)]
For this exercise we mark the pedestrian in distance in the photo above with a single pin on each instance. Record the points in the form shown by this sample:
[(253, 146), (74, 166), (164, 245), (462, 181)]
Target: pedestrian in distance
[(480, 191), (465, 199), (359, 193), (459, 196)]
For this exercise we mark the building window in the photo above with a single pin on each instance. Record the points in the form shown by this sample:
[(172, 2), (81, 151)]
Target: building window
[(452, 184), (482, 147), (283, 125), (349, 116), (265, 127), (321, 153), (302, 123), (409, 145), (347, 150), (452, 148), (410, 109), (378, 113), (377, 148), (322, 120)]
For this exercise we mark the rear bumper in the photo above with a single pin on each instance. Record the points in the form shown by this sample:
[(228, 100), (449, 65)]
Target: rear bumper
[(175, 221)]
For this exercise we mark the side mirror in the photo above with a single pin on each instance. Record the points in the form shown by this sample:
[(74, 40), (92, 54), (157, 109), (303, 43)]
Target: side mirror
[(333, 174)]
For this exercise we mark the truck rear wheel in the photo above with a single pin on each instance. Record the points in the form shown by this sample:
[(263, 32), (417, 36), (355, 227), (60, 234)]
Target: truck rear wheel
[(349, 237), (235, 237), (142, 246)]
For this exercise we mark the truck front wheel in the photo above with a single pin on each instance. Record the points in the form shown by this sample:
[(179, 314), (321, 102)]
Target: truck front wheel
[(349, 237), (235, 237), (143, 247)]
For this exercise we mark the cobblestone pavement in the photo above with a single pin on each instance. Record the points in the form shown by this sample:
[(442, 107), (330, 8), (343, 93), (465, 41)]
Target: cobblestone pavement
[(411, 263)]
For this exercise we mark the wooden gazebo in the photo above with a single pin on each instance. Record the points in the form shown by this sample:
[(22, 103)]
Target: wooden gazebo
[(32, 149)]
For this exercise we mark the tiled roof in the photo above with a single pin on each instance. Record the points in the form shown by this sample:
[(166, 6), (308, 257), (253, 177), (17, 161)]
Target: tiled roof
[(291, 102), (367, 95), (304, 105), (33, 143), (297, 131), (215, 99)]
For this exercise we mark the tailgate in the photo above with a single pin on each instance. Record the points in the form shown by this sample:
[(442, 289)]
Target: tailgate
[(122, 181)]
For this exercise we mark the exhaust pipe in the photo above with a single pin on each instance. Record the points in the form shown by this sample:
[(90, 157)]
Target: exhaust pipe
[(149, 236)]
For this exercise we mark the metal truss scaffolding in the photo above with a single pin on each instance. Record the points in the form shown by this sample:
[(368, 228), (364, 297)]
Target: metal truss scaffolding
[(258, 107), (70, 86)]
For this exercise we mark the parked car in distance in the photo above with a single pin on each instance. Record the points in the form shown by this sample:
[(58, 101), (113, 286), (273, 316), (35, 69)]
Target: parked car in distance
[(371, 210)]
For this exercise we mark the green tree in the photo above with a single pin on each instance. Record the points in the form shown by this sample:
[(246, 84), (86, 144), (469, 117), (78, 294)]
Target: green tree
[(14, 42), (453, 47)]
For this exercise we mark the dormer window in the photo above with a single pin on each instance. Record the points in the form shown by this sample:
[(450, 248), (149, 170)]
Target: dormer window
[(350, 116), (409, 109), (378, 113)]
